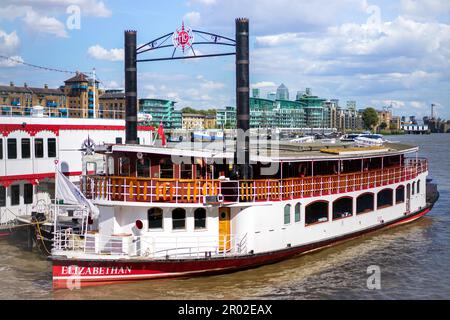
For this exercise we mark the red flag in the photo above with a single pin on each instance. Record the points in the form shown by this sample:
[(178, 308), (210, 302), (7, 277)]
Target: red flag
[(161, 134)]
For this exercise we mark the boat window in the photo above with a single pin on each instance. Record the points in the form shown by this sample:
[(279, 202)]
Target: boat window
[(186, 171), (2, 196), (155, 218), (413, 188), (26, 148), (118, 140), (342, 208), (28, 193), (143, 168), (287, 214), (39, 148), (297, 212), (12, 148), (51, 147), (124, 167), (1, 148), (15, 195), (166, 169), (200, 218), (178, 219), (385, 198), (364, 203), (400, 195), (418, 187), (316, 212)]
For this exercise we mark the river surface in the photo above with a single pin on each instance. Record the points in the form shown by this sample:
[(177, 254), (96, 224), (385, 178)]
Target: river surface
[(414, 262)]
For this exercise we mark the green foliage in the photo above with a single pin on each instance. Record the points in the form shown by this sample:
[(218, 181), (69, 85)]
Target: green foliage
[(370, 118), (209, 112), (383, 125)]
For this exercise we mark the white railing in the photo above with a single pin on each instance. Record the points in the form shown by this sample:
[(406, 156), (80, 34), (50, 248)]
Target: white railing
[(161, 247)]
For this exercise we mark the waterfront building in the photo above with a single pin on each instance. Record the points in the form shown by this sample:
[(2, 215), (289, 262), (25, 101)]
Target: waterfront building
[(395, 123), (81, 93), (210, 122), (272, 96), (261, 113), (256, 93), (161, 111), (314, 110), (289, 114), (351, 105), (112, 104), (193, 121), (226, 117), (282, 93), (331, 114), (19, 101)]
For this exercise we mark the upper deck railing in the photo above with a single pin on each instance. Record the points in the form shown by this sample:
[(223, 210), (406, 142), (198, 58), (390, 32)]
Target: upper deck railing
[(131, 189)]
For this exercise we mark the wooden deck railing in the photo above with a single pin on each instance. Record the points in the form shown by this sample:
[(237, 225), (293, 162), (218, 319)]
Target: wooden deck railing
[(130, 189)]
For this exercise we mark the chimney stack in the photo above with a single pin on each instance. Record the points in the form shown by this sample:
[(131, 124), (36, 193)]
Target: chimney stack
[(25, 85), (45, 86), (130, 87), (11, 84), (243, 98)]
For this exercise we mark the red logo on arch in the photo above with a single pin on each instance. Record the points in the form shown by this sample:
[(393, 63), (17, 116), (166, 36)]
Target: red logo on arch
[(183, 38)]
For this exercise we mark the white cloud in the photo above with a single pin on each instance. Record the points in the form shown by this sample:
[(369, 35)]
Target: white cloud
[(263, 84), (100, 53), (12, 62), (192, 19), (202, 2), (112, 85), (418, 104), (94, 8), (36, 21), (9, 42), (46, 16), (212, 85), (277, 16), (425, 9)]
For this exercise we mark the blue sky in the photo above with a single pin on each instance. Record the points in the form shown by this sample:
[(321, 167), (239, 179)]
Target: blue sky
[(374, 52)]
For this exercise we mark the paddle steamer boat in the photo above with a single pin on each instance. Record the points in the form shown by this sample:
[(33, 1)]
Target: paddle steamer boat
[(163, 215)]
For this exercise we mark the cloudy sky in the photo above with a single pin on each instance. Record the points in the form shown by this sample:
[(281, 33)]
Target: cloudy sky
[(375, 52)]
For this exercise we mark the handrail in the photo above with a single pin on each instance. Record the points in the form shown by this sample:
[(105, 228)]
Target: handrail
[(151, 190), (162, 247)]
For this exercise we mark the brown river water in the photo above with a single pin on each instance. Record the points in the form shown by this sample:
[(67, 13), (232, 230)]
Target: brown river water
[(413, 259)]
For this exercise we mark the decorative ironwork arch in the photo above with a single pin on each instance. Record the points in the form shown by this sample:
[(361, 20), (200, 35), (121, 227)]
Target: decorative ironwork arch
[(185, 38), (166, 41)]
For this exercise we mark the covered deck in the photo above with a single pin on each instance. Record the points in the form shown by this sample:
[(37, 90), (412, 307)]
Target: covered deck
[(172, 175)]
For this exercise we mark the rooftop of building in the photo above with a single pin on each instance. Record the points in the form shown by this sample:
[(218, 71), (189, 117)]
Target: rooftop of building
[(32, 90), (113, 95), (79, 77)]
